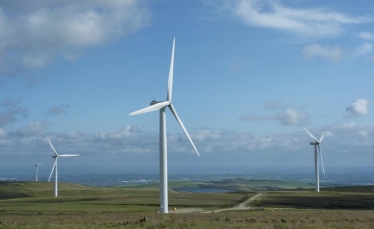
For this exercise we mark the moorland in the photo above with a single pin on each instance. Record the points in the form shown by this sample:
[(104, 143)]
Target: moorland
[(282, 204)]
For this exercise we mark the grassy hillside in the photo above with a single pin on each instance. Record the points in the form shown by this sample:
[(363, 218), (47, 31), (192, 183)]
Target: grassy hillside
[(32, 205), (72, 197), (329, 198)]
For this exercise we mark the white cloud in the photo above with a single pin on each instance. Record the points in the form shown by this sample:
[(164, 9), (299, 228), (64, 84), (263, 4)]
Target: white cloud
[(293, 117), (366, 35), (2, 132), (363, 49), (288, 117), (35, 33), (357, 108), (363, 133), (317, 50), (119, 133), (207, 134), (130, 146), (315, 22)]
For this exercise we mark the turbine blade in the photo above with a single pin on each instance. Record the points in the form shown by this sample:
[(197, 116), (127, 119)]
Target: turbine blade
[(170, 81), (68, 155), (154, 107), (323, 135), (54, 165), (320, 154), (311, 135), (184, 128), (50, 143)]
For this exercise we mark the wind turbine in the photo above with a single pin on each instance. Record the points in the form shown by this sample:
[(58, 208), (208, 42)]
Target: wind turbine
[(161, 105), (36, 173), (316, 144), (56, 156)]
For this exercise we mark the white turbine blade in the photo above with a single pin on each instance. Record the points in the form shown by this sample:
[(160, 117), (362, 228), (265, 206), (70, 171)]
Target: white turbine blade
[(54, 165), (320, 154), (311, 135), (53, 148), (154, 107), (40, 163), (170, 81), (323, 135), (68, 155), (184, 128)]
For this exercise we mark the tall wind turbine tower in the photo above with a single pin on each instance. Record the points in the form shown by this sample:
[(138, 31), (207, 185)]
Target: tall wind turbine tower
[(316, 144), (54, 168), (161, 105), (36, 173)]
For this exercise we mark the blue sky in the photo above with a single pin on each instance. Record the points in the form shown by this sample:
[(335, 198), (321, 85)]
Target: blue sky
[(248, 75)]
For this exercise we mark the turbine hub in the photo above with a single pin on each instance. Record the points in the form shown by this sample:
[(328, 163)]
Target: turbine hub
[(153, 102)]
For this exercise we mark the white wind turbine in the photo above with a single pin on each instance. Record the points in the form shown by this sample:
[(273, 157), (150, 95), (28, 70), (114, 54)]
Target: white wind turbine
[(316, 144), (56, 156), (161, 105), (36, 173)]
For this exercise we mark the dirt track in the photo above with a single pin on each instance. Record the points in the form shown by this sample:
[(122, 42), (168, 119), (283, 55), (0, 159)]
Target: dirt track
[(241, 206)]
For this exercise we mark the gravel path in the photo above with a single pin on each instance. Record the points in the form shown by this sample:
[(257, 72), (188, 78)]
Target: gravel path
[(241, 206)]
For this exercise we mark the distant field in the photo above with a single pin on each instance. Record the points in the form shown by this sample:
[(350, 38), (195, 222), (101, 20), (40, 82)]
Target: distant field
[(31, 205), (237, 184)]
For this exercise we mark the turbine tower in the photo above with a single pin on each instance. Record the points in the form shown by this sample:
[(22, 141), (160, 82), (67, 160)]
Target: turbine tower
[(36, 173), (161, 105), (56, 156), (316, 144)]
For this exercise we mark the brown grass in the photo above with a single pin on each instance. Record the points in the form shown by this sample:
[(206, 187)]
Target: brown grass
[(247, 219)]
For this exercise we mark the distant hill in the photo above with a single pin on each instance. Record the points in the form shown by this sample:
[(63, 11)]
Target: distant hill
[(11, 190)]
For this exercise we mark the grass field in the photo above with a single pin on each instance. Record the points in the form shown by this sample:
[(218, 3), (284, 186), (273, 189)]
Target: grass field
[(30, 205)]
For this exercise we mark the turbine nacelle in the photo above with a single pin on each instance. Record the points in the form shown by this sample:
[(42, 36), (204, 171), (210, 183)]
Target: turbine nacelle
[(153, 102), (314, 143)]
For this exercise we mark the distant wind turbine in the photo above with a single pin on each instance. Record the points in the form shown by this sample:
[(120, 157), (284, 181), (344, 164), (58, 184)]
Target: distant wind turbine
[(316, 144), (161, 105), (56, 156), (36, 173)]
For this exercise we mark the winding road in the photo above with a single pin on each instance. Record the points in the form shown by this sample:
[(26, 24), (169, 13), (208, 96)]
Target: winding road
[(241, 206)]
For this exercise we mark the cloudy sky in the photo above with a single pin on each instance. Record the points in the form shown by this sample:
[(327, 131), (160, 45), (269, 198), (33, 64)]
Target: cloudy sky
[(248, 76)]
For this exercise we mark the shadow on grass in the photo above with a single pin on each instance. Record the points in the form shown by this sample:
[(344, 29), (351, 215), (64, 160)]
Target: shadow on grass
[(359, 202)]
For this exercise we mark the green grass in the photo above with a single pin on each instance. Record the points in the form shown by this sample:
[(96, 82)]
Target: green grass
[(326, 199), (31, 205)]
